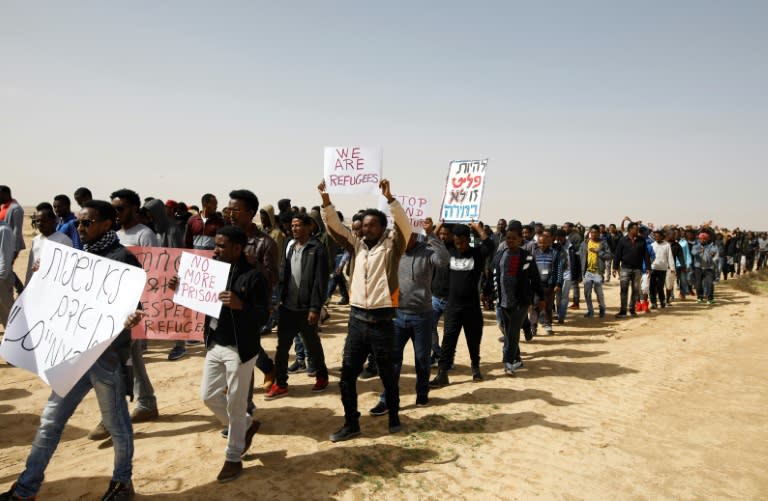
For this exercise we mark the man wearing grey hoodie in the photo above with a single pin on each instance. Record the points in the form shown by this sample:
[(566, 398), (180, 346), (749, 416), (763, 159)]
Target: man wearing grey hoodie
[(413, 319)]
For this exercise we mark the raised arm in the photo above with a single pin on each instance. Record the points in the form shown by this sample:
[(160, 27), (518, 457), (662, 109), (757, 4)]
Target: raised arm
[(338, 231)]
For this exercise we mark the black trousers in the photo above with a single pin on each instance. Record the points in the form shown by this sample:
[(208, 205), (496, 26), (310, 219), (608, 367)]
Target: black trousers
[(289, 324), (658, 277), (362, 338), (470, 318)]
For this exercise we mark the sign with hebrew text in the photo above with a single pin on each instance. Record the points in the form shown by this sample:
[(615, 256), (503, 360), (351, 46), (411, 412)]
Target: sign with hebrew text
[(463, 191)]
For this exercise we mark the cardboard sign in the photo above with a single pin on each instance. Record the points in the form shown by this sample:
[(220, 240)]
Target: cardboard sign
[(416, 208), (69, 313), (352, 169), (463, 191), (201, 279), (165, 319)]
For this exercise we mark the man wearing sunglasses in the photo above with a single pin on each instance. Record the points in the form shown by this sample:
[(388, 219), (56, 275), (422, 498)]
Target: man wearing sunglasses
[(107, 377), (126, 204)]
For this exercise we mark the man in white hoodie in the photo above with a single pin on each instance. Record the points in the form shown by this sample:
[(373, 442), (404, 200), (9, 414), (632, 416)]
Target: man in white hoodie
[(663, 262)]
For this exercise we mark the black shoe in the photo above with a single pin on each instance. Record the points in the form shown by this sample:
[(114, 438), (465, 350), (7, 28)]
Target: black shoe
[(368, 373), (476, 376), (118, 491), (296, 366), (311, 372), (440, 380), (345, 433), (230, 471), (633, 313), (381, 409), (176, 353), (249, 433), (621, 314), (528, 334), (422, 401), (11, 496), (394, 424)]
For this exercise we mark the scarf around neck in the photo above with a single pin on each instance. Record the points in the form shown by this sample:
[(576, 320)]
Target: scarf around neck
[(107, 241)]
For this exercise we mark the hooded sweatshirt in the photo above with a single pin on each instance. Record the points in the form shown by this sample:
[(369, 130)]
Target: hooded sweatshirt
[(330, 244), (274, 230), (415, 274), (159, 219)]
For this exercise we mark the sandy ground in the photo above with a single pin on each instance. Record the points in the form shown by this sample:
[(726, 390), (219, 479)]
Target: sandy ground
[(670, 405)]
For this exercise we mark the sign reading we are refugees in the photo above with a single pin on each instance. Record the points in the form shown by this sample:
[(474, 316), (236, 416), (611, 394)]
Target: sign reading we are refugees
[(463, 191), (352, 169), (165, 319), (69, 313)]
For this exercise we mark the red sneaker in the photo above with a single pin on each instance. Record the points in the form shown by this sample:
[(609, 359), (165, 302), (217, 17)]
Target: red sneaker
[(276, 392), (321, 383)]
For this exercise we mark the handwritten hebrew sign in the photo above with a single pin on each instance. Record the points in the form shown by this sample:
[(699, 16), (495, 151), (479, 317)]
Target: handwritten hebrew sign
[(463, 191), (352, 169), (69, 313)]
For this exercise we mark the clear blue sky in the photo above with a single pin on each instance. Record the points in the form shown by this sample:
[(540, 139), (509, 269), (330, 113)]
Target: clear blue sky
[(588, 111)]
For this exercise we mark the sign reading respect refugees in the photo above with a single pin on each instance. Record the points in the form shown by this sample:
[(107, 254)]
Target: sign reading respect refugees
[(352, 169), (69, 313), (201, 279), (463, 191), (165, 319), (416, 208)]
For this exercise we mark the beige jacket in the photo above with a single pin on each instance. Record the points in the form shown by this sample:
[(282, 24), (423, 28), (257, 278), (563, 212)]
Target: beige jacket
[(374, 281)]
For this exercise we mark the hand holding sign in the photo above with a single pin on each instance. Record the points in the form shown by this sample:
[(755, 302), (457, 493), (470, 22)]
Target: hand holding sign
[(134, 319), (231, 300)]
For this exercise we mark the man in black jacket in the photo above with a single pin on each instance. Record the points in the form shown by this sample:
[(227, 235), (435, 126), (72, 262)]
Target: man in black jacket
[(631, 253), (463, 310), (303, 284), (517, 281), (232, 342)]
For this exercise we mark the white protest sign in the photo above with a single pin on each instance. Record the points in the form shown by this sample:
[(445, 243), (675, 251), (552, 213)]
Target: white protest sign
[(69, 313), (463, 191), (201, 279), (352, 169), (416, 208)]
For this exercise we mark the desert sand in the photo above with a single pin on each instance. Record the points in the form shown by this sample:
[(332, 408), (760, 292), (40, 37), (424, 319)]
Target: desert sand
[(669, 405)]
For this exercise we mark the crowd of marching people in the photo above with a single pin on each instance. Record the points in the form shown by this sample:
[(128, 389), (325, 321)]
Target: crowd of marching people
[(287, 264)]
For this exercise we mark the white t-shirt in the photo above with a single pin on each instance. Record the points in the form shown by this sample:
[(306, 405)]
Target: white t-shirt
[(138, 235), (38, 243)]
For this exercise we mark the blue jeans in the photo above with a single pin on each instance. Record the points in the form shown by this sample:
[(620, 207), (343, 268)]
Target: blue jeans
[(629, 277), (337, 279), (142, 386), (562, 304), (416, 327), (107, 379), (438, 308), (512, 321)]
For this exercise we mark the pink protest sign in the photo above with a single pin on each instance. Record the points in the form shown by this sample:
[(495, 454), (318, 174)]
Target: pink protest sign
[(165, 319), (352, 169)]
